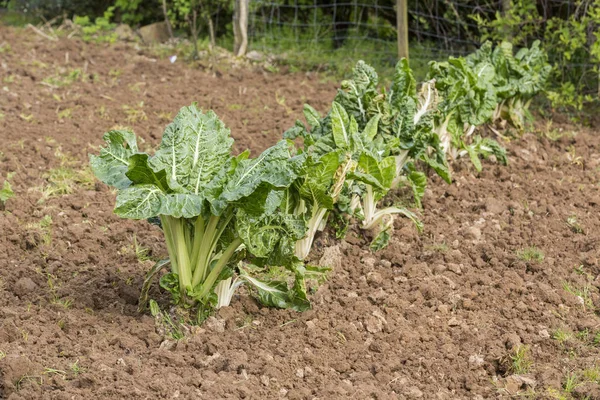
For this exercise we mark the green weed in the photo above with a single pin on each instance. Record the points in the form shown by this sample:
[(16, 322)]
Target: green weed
[(583, 294), (135, 113), (531, 253), (520, 360)]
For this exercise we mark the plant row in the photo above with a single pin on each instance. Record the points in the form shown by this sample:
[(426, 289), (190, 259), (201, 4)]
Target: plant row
[(230, 220)]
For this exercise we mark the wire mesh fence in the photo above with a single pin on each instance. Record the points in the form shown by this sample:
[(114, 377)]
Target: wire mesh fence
[(338, 32)]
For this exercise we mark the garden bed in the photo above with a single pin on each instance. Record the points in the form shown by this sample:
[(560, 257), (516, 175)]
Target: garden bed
[(498, 295)]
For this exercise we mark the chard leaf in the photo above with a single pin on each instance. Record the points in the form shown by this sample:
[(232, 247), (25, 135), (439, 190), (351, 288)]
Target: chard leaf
[(357, 93), (277, 294), (140, 173), (298, 130), (270, 233), (113, 162), (170, 282), (485, 147), (194, 147), (440, 167), (274, 167), (181, 205), (139, 202), (418, 182), (370, 130), (403, 84), (312, 117), (377, 173), (381, 240), (318, 180), (340, 124)]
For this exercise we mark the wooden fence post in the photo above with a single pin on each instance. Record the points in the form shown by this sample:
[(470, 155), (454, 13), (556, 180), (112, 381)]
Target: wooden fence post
[(402, 28), (240, 27)]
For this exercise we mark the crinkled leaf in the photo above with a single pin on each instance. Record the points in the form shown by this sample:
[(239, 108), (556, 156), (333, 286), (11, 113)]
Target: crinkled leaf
[(274, 167), (139, 202), (418, 182), (263, 234), (340, 125), (112, 163), (312, 117), (181, 205), (318, 180), (194, 147), (381, 240), (170, 282), (140, 173), (403, 84)]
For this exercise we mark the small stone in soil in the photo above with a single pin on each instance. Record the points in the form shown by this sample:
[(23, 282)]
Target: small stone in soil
[(310, 325), (444, 308), (215, 325), (494, 206), (472, 233)]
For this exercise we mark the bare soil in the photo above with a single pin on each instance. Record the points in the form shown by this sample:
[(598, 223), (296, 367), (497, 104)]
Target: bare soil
[(436, 315)]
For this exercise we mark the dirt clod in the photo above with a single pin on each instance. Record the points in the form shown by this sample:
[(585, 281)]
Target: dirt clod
[(24, 287)]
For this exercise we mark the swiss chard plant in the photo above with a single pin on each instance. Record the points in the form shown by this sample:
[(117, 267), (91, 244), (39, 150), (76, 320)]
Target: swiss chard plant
[(329, 144), (518, 78), (218, 212), (469, 99), (397, 135)]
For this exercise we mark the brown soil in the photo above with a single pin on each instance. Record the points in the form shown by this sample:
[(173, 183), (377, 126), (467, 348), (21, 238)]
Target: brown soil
[(433, 316)]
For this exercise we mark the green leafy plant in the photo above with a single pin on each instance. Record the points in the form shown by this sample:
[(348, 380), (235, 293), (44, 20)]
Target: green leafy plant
[(329, 146), (520, 361), (215, 209), (397, 133), (6, 193), (469, 100), (518, 78), (98, 30), (571, 39)]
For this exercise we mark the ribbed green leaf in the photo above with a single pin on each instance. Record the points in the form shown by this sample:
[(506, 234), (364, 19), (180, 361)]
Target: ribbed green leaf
[(140, 173), (340, 125), (312, 117), (112, 163), (318, 180), (139, 202), (182, 205), (277, 294), (193, 149)]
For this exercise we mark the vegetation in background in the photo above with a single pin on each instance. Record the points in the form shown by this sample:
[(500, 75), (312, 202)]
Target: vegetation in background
[(570, 36)]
